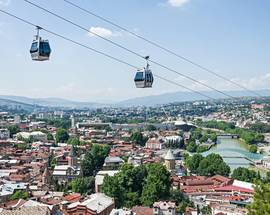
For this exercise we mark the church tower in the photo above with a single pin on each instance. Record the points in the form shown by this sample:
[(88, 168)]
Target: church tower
[(72, 159), (170, 160)]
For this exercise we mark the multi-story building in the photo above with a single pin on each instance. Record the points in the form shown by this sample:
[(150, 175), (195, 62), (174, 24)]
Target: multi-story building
[(155, 143), (97, 204), (4, 134), (164, 208)]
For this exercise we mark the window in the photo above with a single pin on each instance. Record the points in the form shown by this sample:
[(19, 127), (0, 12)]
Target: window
[(34, 47), (44, 49), (139, 76)]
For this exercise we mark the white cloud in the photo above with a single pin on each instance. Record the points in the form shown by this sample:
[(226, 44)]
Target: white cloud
[(5, 3), (177, 3), (103, 32)]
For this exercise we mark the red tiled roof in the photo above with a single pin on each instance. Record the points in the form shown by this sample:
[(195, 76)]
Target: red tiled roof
[(73, 197), (139, 210), (234, 188)]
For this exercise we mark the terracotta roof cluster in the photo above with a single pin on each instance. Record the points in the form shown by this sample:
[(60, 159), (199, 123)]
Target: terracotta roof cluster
[(192, 184)]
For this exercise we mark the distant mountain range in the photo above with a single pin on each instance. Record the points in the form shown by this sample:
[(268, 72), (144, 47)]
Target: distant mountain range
[(29, 103), (50, 102), (186, 96)]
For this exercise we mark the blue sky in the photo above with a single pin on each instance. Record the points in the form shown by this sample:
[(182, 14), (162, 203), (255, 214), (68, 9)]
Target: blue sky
[(228, 36)]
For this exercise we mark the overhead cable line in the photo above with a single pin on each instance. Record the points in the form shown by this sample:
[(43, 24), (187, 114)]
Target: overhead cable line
[(162, 47), (129, 50), (102, 53)]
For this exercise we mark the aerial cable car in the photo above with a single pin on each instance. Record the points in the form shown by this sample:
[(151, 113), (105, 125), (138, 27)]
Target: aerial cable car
[(40, 49), (144, 78)]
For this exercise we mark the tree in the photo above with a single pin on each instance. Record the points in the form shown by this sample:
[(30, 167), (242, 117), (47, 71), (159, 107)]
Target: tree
[(175, 144), (132, 186), (213, 137), (206, 210), (138, 138), (176, 196), (59, 122), (50, 137), (193, 162), (94, 159), (111, 187), (244, 174), (157, 184), (201, 149), (213, 164), (267, 177), (151, 128), (13, 129), (253, 149), (191, 147), (99, 153), (83, 185), (61, 136), (196, 134), (74, 141), (88, 164), (204, 138), (261, 200), (19, 195)]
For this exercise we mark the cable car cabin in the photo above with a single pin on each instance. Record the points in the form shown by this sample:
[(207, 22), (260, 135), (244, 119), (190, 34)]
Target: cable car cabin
[(40, 50), (144, 79)]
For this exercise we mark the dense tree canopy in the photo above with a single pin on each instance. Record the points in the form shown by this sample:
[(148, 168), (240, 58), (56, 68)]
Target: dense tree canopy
[(74, 141), (59, 122), (260, 127), (261, 200), (50, 137), (150, 128), (221, 125), (19, 195), (175, 144), (138, 138), (193, 162), (13, 129), (244, 174), (138, 185), (83, 185), (213, 164), (250, 136), (210, 165), (62, 135), (253, 149), (191, 147), (94, 159)]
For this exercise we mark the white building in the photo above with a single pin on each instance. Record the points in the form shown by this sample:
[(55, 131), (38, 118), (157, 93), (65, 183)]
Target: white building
[(36, 135), (155, 143), (17, 119), (65, 173), (173, 138), (164, 208), (100, 177), (266, 162), (4, 134), (112, 163), (122, 212), (99, 203)]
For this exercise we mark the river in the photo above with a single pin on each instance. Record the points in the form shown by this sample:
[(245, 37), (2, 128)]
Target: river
[(234, 148)]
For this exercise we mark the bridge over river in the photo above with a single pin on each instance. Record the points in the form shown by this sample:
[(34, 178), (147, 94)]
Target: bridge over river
[(240, 157), (234, 152), (232, 136)]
